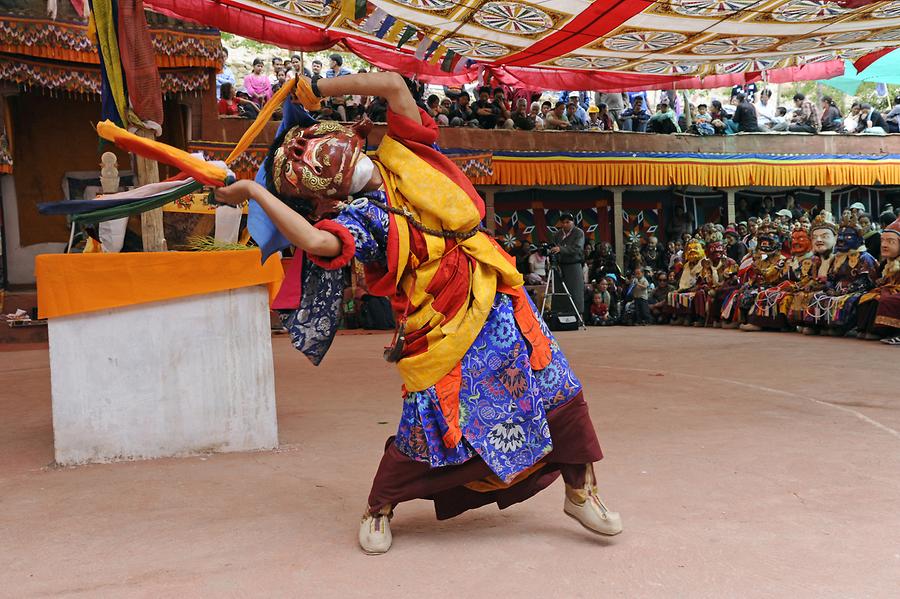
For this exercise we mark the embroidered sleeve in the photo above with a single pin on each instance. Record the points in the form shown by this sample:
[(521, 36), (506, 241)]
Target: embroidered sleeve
[(368, 224)]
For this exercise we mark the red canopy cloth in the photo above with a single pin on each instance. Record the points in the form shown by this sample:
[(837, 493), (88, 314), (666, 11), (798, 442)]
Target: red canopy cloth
[(570, 44)]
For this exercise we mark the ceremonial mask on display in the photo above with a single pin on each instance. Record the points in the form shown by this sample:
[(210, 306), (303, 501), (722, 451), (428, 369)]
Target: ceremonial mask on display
[(319, 162), (849, 238), (824, 234), (767, 237), (890, 241), (800, 242), (693, 252)]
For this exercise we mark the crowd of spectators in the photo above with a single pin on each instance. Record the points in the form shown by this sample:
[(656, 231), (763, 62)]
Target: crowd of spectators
[(638, 293), (748, 111)]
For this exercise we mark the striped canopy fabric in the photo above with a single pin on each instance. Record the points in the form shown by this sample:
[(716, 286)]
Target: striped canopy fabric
[(627, 43)]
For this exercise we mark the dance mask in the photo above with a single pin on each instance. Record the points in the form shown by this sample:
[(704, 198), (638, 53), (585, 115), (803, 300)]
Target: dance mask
[(715, 251), (767, 237), (800, 242), (823, 234), (693, 252), (848, 237), (320, 162), (890, 241)]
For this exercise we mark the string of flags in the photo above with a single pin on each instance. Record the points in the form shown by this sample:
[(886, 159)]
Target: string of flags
[(378, 23)]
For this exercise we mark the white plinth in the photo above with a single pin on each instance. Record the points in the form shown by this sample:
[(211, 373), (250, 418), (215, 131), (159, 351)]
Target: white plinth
[(172, 378)]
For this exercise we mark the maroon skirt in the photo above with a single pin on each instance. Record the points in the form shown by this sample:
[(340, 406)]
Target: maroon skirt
[(400, 478)]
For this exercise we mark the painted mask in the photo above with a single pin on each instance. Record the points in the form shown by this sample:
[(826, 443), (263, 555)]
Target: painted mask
[(715, 251), (823, 241), (317, 163), (890, 245), (693, 252), (848, 238), (768, 241), (800, 242)]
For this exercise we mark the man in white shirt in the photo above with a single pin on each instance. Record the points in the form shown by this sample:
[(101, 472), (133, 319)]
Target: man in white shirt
[(765, 110)]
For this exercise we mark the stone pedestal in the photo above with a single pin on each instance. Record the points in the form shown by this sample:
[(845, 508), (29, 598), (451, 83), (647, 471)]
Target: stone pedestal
[(169, 378)]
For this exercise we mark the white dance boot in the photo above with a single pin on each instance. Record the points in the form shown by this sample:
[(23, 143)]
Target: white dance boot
[(375, 531), (586, 506)]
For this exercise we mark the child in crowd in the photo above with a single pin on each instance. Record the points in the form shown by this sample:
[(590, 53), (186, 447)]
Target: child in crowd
[(639, 293), (599, 315), (703, 121)]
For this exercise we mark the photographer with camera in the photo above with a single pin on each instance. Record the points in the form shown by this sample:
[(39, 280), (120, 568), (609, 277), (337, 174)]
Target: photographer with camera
[(569, 254)]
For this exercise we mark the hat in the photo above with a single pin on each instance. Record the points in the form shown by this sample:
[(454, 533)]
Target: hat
[(731, 231), (784, 212), (823, 220), (858, 206), (567, 216), (893, 228), (593, 109)]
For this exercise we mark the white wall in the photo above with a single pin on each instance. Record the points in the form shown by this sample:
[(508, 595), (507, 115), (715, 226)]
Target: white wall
[(19, 260), (172, 378)]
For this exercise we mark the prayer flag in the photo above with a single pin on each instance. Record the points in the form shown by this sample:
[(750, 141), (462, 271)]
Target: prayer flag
[(448, 63), (386, 27), (429, 49), (407, 35), (438, 55), (424, 43), (373, 21), (394, 32), (353, 10)]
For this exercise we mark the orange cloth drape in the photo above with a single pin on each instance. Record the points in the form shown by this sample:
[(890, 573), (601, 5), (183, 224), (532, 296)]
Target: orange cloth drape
[(74, 283)]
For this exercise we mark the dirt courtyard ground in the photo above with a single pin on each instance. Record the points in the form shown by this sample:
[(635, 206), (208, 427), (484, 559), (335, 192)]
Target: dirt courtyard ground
[(744, 465)]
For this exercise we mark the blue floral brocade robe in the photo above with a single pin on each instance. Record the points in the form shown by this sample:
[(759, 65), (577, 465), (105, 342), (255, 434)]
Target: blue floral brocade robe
[(503, 403)]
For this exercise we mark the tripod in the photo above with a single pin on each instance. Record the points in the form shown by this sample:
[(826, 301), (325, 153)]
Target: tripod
[(550, 292)]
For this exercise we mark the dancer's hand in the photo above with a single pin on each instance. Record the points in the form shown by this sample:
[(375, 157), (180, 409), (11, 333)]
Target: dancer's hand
[(237, 193)]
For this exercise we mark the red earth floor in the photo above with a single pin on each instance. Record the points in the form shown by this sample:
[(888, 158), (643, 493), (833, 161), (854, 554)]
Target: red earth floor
[(744, 465)]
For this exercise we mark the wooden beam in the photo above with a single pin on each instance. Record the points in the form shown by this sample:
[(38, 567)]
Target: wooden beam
[(152, 233)]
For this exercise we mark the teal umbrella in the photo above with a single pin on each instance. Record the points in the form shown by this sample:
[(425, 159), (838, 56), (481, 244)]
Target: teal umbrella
[(884, 70)]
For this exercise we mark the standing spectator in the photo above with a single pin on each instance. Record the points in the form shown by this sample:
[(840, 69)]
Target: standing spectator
[(257, 85), (745, 119), (316, 70), (522, 117), (831, 116), (556, 119), (486, 111), (615, 104), (870, 121), (892, 119), (636, 117), (504, 120), (461, 113), (297, 67), (338, 104), (225, 75), (277, 63), (570, 250), (575, 123), (639, 293), (806, 116)]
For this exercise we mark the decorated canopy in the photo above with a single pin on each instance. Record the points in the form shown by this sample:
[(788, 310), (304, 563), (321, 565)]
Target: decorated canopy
[(597, 43)]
